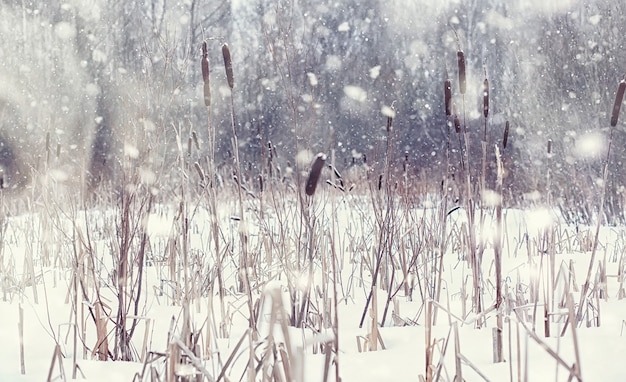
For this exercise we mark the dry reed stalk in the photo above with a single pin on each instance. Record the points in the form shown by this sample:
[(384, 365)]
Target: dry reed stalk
[(619, 98), (498, 357), (605, 174), (427, 338), (20, 327), (575, 371), (458, 376), (314, 174), (102, 344), (57, 356), (532, 335), (228, 65)]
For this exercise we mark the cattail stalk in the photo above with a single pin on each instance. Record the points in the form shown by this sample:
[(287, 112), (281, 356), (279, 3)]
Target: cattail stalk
[(619, 98)]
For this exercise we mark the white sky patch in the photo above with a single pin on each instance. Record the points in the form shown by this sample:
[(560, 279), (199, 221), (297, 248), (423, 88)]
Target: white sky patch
[(590, 145), (356, 93), (343, 27)]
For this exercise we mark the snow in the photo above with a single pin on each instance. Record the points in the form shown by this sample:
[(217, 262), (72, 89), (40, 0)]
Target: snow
[(48, 317), (356, 93)]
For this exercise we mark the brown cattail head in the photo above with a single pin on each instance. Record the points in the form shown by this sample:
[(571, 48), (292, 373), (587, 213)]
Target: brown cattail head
[(506, 134), (457, 124), (314, 174), (447, 93), (549, 146), (389, 123), (619, 98), (196, 165), (205, 75), (228, 64), (486, 98), (461, 65), (194, 136)]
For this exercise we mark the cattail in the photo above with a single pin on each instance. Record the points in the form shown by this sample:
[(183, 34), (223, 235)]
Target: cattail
[(549, 146), (205, 75), (389, 123), (189, 146), (619, 98), (405, 165), (196, 165), (461, 64), (486, 97), (261, 183), (228, 64), (380, 182), (447, 92), (506, 134), (314, 175), (194, 136), (457, 124)]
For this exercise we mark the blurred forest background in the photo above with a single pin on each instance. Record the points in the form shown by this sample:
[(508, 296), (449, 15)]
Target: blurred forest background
[(311, 75)]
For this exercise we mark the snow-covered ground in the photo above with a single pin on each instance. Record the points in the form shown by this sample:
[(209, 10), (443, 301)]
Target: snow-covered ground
[(49, 318)]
